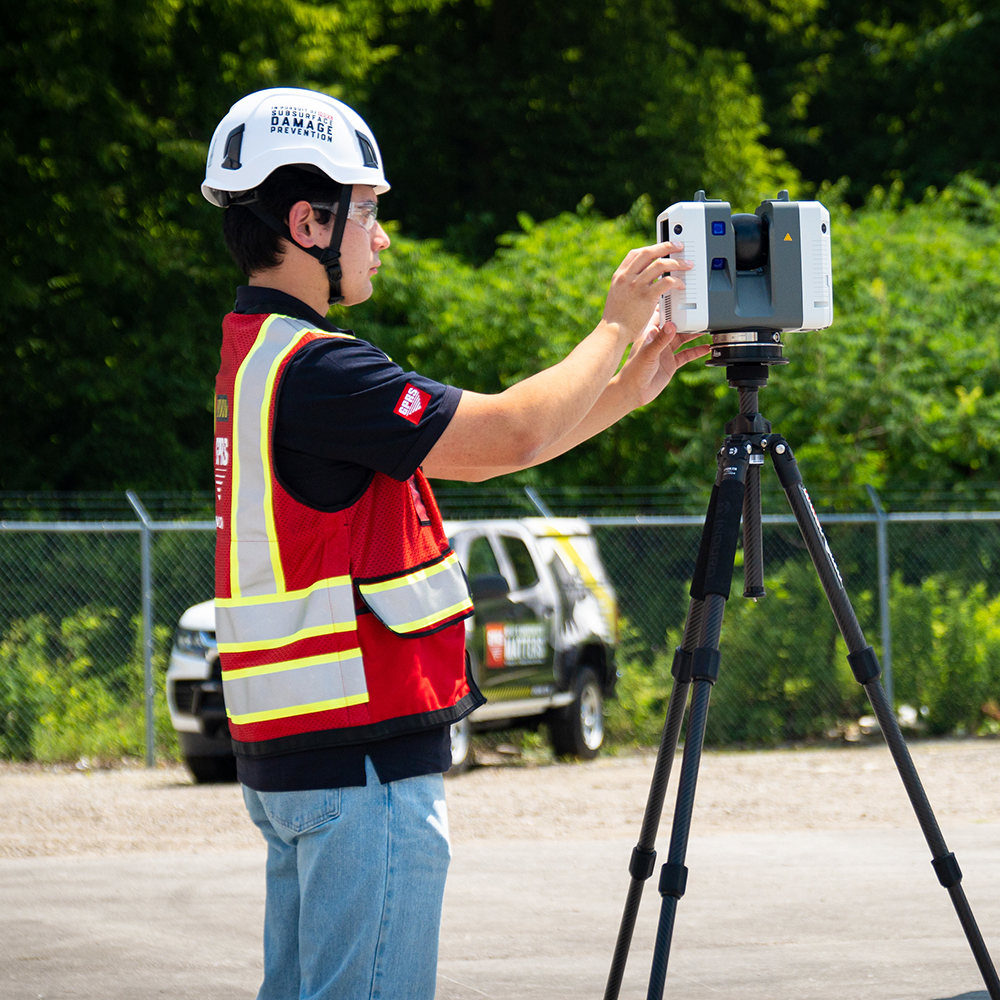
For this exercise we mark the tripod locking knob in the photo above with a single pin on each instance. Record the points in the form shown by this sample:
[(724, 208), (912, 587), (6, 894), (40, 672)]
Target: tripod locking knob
[(673, 880)]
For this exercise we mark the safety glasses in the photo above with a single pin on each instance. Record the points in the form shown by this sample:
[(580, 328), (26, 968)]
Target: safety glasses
[(364, 213)]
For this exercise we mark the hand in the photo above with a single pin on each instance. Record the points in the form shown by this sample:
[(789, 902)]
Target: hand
[(643, 276), (652, 361)]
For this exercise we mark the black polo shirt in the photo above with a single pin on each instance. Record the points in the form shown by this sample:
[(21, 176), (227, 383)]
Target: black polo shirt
[(344, 412)]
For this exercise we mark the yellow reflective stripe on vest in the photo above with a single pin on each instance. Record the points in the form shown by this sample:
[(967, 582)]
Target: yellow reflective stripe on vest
[(254, 560), (314, 706), (420, 600), (243, 624), (294, 687), (254, 563)]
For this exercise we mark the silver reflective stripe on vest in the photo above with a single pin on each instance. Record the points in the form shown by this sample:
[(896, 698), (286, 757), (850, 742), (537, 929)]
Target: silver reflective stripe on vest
[(421, 600), (255, 567), (243, 624), (278, 690)]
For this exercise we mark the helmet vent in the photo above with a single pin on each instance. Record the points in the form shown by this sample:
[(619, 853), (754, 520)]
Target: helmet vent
[(234, 143), (367, 151)]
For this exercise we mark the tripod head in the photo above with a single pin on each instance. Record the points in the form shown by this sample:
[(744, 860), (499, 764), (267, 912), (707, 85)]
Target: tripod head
[(746, 356)]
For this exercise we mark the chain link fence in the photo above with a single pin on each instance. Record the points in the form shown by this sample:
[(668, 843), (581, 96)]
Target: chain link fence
[(92, 587)]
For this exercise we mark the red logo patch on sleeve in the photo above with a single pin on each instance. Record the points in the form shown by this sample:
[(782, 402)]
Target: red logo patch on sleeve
[(412, 403)]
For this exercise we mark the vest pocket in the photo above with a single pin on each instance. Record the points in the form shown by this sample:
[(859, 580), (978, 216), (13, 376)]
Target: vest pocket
[(420, 601)]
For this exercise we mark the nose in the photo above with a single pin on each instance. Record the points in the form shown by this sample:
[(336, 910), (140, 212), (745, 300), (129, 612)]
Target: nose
[(380, 238)]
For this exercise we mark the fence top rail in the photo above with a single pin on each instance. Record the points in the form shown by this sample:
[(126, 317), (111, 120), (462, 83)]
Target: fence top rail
[(105, 526), (695, 520), (629, 521)]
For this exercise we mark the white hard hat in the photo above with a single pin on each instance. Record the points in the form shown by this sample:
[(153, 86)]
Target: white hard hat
[(286, 126)]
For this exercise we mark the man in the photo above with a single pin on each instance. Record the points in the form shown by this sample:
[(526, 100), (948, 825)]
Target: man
[(340, 605)]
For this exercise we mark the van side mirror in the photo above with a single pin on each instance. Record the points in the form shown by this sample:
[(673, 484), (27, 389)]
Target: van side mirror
[(490, 587)]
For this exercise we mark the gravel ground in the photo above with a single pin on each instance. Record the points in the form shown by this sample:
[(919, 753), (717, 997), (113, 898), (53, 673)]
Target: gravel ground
[(65, 811)]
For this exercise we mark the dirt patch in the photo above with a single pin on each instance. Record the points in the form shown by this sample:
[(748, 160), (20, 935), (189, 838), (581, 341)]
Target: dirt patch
[(100, 812)]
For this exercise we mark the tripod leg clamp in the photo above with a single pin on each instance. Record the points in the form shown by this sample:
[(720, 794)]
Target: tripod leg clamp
[(864, 663), (642, 863), (673, 880), (681, 668), (705, 664), (947, 870)]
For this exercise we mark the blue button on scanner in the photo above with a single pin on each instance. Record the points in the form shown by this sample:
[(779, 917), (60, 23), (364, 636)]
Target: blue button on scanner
[(718, 263), (718, 229)]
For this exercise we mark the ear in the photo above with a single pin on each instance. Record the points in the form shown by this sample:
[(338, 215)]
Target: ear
[(302, 224)]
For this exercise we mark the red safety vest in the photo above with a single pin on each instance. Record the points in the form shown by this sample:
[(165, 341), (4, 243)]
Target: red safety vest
[(333, 628)]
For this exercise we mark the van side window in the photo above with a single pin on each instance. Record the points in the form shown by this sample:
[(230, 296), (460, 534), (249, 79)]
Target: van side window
[(482, 561), (520, 559)]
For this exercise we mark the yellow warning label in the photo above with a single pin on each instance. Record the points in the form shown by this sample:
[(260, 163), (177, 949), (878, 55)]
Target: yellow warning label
[(788, 238)]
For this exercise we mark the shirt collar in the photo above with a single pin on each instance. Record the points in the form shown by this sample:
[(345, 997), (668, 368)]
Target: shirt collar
[(255, 299)]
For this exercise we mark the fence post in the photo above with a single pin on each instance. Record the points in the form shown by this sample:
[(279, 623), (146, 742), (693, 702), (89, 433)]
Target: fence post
[(147, 625), (540, 505), (882, 535)]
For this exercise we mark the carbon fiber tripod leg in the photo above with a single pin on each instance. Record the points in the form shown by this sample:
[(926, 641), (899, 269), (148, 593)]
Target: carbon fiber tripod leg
[(673, 875), (716, 555), (711, 584), (866, 670), (643, 858)]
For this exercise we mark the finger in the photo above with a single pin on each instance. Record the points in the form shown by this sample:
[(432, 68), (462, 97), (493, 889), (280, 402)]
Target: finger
[(684, 338), (663, 265), (677, 263), (681, 358), (661, 249), (679, 339), (659, 337), (665, 283), (639, 258), (664, 269)]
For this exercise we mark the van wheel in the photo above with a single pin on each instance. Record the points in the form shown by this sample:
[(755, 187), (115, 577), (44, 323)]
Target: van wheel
[(578, 729), (461, 747), (213, 770)]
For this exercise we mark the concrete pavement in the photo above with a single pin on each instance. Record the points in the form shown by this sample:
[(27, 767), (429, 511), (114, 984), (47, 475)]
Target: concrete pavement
[(811, 915)]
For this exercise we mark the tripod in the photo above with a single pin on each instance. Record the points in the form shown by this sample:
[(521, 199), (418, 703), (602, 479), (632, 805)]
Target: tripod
[(736, 494)]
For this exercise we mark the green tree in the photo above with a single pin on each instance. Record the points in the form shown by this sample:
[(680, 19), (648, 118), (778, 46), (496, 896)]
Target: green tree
[(881, 92), (113, 276), (494, 107), (904, 388)]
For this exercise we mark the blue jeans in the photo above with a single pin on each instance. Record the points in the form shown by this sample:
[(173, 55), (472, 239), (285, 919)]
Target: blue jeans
[(355, 878)]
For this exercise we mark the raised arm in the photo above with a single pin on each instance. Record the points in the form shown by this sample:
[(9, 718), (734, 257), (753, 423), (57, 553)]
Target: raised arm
[(650, 366), (531, 421)]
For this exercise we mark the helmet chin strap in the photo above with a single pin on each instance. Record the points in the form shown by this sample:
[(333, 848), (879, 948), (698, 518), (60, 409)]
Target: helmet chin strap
[(328, 256)]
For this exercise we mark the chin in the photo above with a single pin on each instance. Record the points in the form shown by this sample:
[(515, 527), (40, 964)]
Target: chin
[(355, 297)]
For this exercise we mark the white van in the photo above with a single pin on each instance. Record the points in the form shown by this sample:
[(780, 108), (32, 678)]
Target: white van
[(541, 644)]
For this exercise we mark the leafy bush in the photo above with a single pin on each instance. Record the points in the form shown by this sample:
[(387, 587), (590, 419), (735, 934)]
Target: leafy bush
[(946, 652), (904, 388), (59, 703), (784, 673), (785, 676)]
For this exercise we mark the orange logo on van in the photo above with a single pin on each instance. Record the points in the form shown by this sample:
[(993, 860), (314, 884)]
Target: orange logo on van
[(494, 645)]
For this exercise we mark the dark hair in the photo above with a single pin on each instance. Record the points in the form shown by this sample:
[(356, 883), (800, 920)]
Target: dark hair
[(255, 246)]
